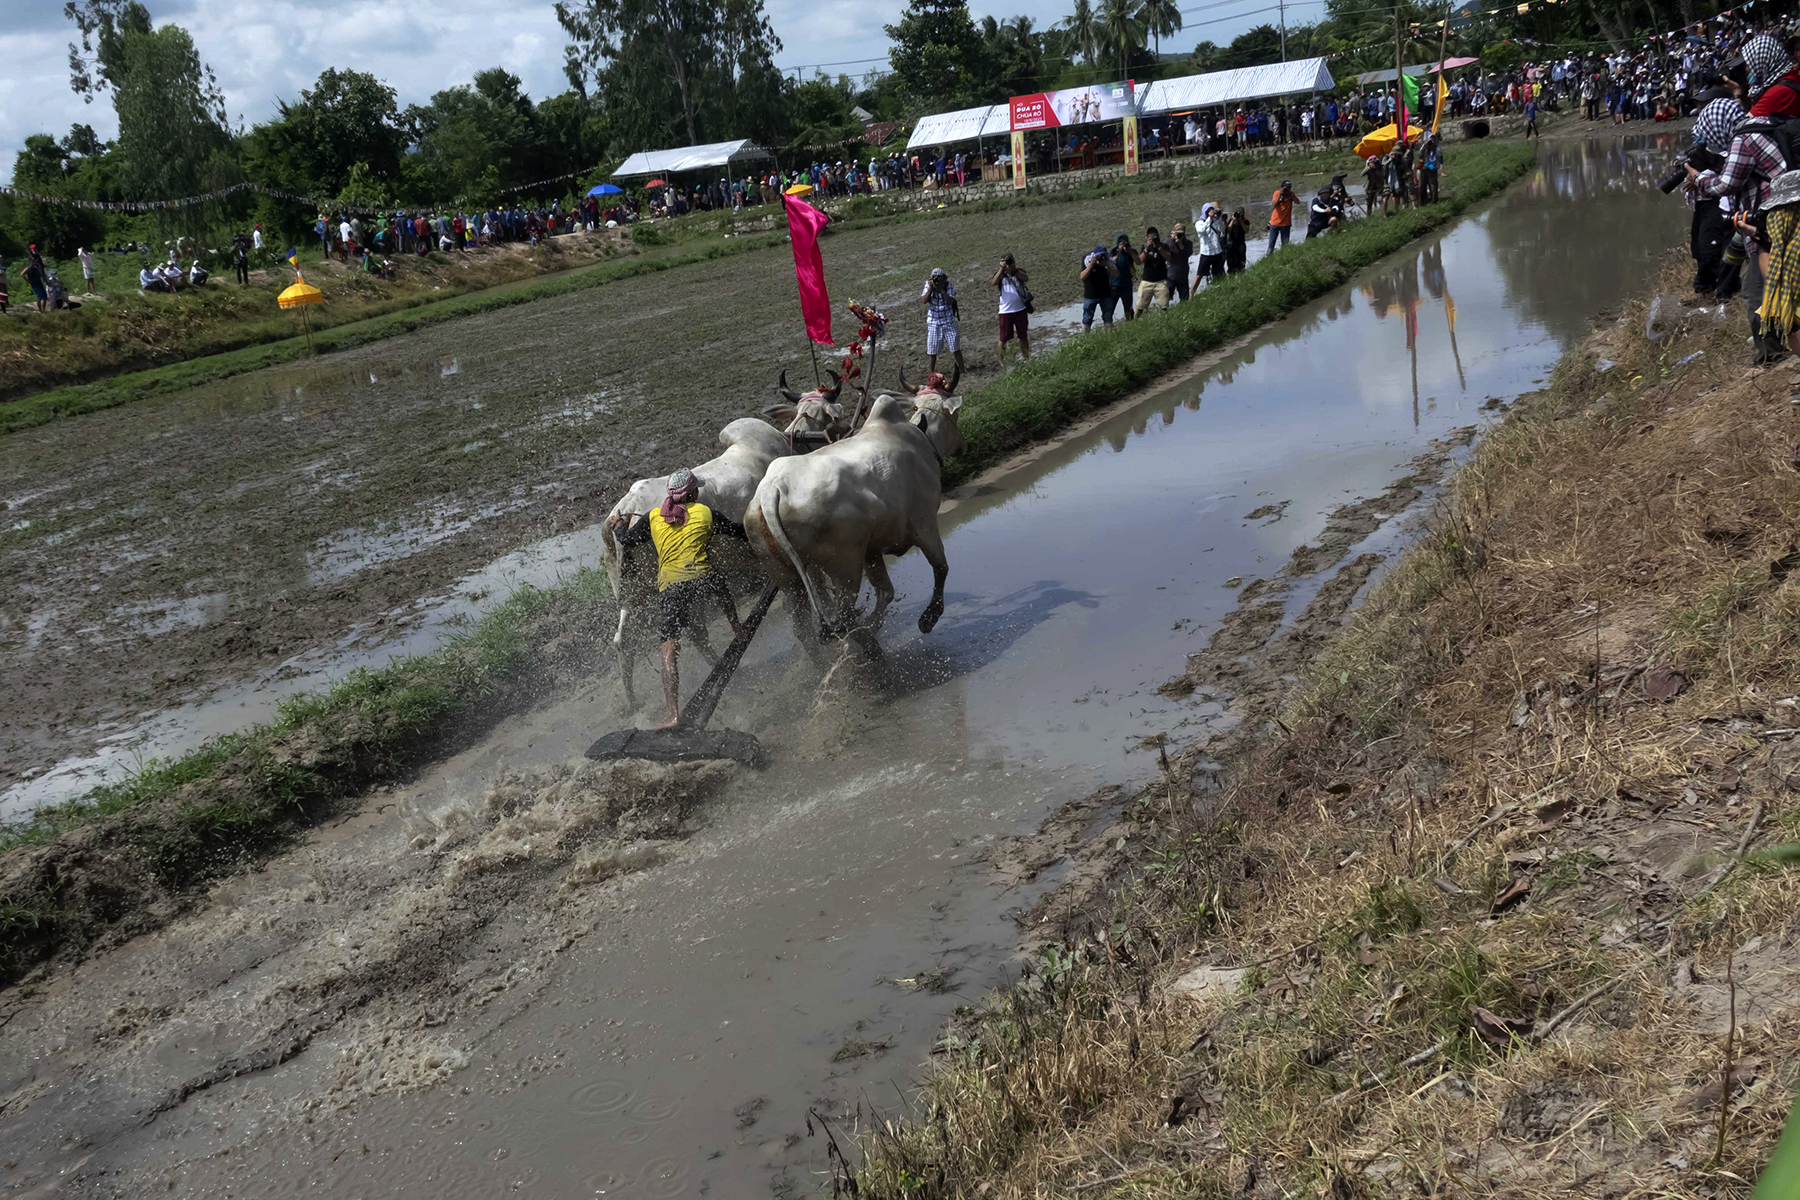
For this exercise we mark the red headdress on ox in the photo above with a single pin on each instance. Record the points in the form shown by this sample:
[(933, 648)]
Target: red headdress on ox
[(934, 383)]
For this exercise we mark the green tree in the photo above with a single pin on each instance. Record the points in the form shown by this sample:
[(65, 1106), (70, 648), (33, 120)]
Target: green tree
[(1123, 31), (1085, 34), (173, 140), (1162, 18), (47, 167), (1255, 47), (936, 53), (1206, 56), (703, 49)]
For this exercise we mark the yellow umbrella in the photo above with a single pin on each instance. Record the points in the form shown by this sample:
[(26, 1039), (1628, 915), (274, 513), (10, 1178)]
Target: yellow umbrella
[(800, 189), (299, 296), (1382, 140)]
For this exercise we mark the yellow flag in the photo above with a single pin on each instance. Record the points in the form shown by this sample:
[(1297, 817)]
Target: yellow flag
[(1443, 94)]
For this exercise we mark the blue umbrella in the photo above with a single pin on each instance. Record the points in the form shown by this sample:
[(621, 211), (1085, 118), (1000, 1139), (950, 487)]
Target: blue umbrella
[(606, 189)]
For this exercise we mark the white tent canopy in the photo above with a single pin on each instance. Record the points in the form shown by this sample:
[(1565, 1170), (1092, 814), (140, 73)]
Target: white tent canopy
[(691, 158), (964, 125), (1228, 87)]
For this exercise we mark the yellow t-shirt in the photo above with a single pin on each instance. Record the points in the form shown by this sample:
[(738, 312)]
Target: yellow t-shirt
[(681, 549)]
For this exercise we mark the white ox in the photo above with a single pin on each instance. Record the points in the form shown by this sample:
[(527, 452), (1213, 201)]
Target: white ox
[(823, 520), (727, 484)]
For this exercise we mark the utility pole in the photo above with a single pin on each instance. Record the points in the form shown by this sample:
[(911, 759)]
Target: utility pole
[(1399, 71), (1283, 30)]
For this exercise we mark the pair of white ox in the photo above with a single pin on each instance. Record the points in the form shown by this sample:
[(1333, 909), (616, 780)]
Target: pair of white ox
[(816, 523)]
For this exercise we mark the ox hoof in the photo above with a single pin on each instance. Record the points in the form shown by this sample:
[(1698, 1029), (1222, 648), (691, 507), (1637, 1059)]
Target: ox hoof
[(929, 618)]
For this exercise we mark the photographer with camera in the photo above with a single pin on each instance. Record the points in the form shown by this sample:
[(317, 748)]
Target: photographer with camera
[(1711, 226), (1326, 212), (1097, 279), (1015, 306), (1752, 162), (943, 320), (1281, 218)]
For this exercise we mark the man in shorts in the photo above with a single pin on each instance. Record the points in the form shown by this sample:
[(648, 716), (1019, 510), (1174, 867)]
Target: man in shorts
[(943, 319), (681, 531), (1015, 302)]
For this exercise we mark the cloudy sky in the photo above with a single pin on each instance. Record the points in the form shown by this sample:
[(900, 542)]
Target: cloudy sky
[(270, 49)]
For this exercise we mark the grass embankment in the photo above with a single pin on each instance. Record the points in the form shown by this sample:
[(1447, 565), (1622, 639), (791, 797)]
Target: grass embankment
[(1084, 373), (1480, 884), (176, 825), (119, 860)]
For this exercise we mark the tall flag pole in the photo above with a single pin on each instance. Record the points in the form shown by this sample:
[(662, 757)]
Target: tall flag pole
[(804, 224)]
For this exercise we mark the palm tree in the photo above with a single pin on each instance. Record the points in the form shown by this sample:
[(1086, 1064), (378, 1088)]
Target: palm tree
[(1123, 29), (1162, 18), (1084, 31)]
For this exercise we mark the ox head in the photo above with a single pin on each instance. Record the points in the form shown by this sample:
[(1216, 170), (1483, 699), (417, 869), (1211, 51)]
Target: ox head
[(816, 411), (934, 415)]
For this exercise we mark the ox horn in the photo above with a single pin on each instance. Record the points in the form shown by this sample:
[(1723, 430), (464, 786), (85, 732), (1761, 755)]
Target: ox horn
[(781, 385), (954, 376), (837, 384), (906, 387)]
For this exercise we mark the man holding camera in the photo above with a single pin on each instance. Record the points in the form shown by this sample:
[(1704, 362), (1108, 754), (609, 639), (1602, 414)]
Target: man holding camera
[(1097, 277), (1154, 286), (943, 320), (1015, 306), (1281, 218)]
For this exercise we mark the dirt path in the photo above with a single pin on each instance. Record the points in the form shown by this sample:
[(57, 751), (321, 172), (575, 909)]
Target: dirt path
[(162, 549)]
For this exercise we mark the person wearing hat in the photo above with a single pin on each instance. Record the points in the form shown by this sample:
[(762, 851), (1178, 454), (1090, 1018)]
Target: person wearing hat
[(1212, 241), (681, 530), (1323, 214), (1097, 276), (1124, 280), (1779, 249), (943, 319), (1281, 216), (1181, 253)]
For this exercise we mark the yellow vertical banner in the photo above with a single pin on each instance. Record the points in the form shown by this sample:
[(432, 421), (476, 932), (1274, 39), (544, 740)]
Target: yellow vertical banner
[(1131, 144), (1018, 157)]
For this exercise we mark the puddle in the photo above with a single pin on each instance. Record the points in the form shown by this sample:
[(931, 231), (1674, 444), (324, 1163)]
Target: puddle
[(728, 980)]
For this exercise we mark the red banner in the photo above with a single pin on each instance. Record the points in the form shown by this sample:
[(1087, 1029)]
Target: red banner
[(804, 223)]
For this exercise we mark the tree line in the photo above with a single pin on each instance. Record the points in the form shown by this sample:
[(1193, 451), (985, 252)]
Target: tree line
[(648, 74)]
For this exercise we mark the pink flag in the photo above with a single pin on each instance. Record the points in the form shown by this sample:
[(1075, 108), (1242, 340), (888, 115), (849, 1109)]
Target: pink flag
[(804, 223)]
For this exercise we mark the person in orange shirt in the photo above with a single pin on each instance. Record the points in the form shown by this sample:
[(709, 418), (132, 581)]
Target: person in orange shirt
[(1281, 219)]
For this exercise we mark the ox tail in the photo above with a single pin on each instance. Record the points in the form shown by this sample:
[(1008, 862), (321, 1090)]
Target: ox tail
[(772, 516)]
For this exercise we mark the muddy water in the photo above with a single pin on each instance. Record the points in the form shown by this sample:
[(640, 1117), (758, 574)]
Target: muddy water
[(675, 1045)]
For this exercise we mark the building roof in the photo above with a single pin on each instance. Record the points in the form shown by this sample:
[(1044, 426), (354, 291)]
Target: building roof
[(1229, 87), (964, 125), (691, 158)]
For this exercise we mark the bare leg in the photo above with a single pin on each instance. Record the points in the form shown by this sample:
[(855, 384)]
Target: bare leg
[(1025, 343), (671, 681)]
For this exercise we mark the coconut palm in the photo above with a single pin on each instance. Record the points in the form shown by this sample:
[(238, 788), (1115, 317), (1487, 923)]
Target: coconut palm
[(1162, 18), (1122, 31), (1084, 31)]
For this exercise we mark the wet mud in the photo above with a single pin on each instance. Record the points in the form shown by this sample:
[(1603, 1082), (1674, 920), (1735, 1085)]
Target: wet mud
[(519, 972)]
